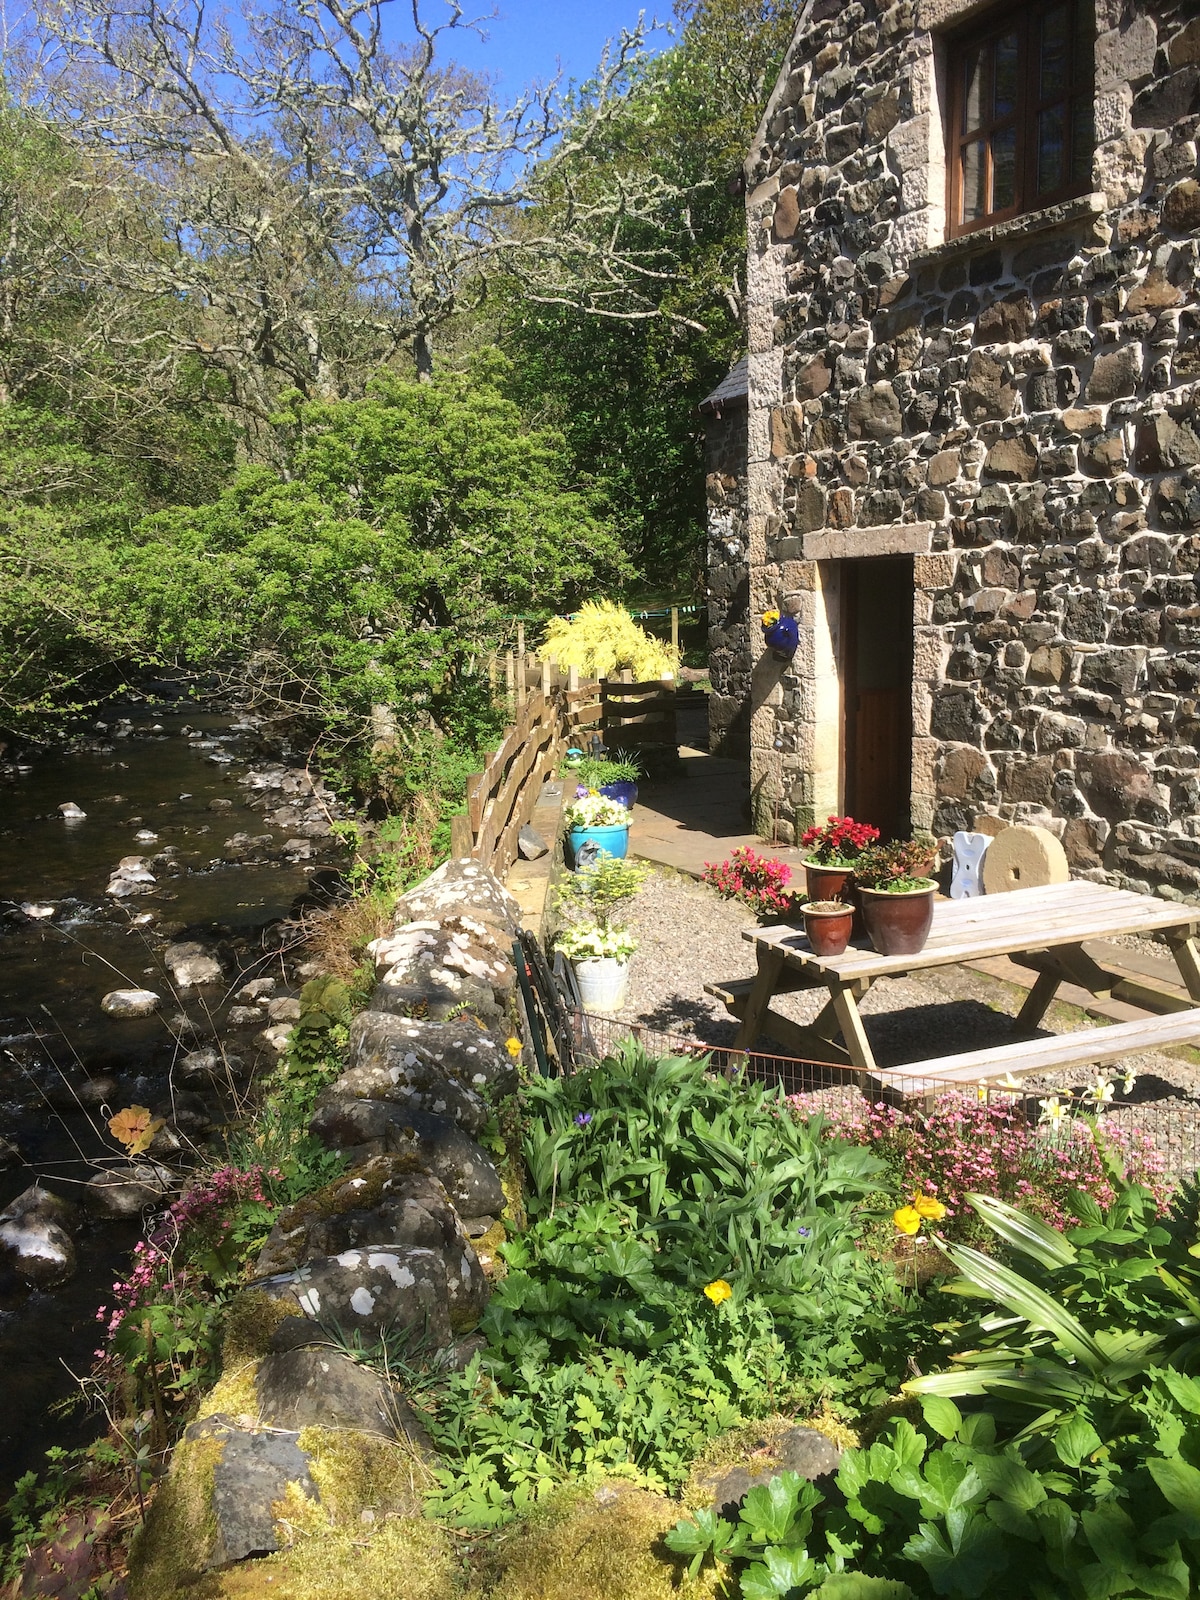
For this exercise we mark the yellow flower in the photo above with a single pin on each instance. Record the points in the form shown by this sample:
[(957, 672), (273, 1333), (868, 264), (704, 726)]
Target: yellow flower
[(907, 1219), (770, 618), (513, 1046), (926, 1206), (718, 1291)]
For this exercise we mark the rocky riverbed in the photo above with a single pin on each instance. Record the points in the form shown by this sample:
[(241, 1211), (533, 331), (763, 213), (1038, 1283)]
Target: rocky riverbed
[(151, 880)]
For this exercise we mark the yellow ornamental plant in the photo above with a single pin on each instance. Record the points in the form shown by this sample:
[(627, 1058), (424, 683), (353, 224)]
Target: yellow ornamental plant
[(602, 639)]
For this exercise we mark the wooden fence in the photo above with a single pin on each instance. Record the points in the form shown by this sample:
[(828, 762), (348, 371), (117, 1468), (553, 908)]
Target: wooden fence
[(553, 709)]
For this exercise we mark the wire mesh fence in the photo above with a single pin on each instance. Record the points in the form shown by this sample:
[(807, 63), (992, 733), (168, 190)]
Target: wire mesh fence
[(1146, 1112)]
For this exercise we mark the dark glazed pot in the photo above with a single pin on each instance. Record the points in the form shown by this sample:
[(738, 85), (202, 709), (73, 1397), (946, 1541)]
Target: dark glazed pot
[(829, 883), (827, 924), (898, 924), (623, 790)]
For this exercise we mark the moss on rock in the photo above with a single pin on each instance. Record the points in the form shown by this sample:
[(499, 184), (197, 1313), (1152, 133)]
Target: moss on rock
[(599, 1541), (250, 1325), (171, 1549)]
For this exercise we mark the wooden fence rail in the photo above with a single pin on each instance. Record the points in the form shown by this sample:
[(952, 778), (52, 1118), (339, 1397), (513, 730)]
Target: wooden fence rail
[(552, 709)]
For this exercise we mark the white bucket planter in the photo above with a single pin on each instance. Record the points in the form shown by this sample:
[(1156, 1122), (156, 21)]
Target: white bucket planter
[(602, 983)]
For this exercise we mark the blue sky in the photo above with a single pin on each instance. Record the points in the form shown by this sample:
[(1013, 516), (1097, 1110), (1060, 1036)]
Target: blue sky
[(530, 38)]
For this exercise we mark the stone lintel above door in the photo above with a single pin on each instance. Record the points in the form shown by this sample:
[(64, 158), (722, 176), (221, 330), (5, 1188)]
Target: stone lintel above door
[(843, 544)]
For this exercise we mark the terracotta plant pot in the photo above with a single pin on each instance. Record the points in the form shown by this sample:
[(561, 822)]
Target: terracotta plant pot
[(828, 883), (898, 924), (827, 924)]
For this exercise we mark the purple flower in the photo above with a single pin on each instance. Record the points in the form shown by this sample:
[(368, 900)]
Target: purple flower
[(582, 792), (805, 1233), (582, 1120)]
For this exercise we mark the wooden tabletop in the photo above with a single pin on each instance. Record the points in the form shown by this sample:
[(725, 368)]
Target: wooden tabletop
[(991, 925)]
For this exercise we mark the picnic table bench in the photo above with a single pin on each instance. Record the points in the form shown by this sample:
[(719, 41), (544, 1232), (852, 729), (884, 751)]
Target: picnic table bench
[(1052, 931)]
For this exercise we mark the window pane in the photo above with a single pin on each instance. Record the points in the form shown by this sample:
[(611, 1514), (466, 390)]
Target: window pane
[(1082, 139), (974, 66), (1055, 52), (1004, 99), (1051, 149), (1004, 169), (974, 182)]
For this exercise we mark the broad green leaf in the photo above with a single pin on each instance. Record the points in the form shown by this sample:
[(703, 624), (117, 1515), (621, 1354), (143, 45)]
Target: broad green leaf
[(1110, 1533), (972, 1565), (942, 1415), (769, 1508), (948, 1485), (1179, 1483), (1030, 1235), (856, 1586), (1184, 1391), (1075, 1440), (1010, 1481)]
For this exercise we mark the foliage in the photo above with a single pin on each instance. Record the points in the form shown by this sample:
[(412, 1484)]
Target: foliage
[(1081, 1479), (838, 842), (61, 1515), (962, 1143), (759, 882), (408, 527), (625, 393), (648, 1181), (595, 892), (897, 867), (602, 639), (593, 772)]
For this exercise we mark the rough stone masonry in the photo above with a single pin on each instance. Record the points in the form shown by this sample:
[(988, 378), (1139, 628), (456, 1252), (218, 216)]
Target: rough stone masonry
[(1016, 409)]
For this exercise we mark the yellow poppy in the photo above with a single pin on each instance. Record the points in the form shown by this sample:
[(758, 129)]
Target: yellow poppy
[(718, 1291), (513, 1046), (907, 1219), (926, 1206)]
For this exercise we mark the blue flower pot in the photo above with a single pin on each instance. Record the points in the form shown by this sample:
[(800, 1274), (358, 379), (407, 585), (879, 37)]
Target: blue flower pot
[(623, 791), (610, 841)]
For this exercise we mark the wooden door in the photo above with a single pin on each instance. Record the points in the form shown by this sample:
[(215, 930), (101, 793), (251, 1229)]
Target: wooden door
[(877, 691)]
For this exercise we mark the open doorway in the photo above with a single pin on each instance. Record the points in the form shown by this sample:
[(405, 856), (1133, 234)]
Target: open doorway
[(877, 661)]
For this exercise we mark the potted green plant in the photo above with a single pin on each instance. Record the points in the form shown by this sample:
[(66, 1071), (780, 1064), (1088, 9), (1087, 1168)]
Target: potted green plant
[(834, 849), (828, 924), (592, 816), (598, 948), (896, 894), (615, 777)]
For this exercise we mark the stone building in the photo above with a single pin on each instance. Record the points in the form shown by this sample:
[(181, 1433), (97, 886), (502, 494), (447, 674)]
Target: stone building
[(972, 451)]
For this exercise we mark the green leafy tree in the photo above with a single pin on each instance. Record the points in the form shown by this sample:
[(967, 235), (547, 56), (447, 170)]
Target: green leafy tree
[(410, 525)]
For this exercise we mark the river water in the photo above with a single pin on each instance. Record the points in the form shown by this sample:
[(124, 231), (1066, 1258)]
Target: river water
[(193, 781)]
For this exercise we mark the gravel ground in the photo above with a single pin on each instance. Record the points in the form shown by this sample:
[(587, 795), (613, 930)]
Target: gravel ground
[(689, 937)]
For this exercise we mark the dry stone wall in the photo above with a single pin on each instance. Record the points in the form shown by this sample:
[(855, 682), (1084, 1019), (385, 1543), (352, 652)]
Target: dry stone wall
[(728, 581), (1016, 409)]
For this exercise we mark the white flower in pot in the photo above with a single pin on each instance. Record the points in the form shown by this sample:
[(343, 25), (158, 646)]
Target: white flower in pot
[(600, 957)]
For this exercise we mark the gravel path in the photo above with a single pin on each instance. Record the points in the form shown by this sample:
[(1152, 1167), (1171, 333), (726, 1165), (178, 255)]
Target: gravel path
[(689, 937)]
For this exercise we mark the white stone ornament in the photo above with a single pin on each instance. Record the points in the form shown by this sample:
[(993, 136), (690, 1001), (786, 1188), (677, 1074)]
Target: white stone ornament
[(969, 851)]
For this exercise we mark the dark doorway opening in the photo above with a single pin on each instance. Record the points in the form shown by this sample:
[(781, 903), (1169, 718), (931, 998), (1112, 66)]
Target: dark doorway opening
[(877, 664)]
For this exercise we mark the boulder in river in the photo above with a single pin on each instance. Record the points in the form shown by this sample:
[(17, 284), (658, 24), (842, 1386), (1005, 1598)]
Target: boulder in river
[(130, 1002), (71, 812), (34, 1236), (37, 912), (127, 1189), (210, 1065), (191, 965)]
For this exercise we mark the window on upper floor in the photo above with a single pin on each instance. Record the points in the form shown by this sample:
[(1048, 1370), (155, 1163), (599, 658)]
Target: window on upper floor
[(1019, 133)]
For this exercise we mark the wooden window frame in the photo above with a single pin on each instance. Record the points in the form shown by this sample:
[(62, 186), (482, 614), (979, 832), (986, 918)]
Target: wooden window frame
[(980, 33)]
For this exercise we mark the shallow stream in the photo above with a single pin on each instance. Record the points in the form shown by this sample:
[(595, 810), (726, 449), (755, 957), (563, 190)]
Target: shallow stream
[(194, 782)]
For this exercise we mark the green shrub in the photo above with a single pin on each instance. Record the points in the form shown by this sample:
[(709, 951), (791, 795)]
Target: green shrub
[(690, 1259)]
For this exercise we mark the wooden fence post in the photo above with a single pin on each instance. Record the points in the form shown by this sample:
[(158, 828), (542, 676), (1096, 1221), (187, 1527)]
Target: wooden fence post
[(675, 627), (462, 840)]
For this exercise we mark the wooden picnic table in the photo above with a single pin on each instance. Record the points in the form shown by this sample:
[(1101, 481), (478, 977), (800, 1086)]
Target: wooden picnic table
[(1045, 929)]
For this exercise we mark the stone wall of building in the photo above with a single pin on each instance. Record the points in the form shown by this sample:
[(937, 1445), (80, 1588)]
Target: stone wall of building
[(1016, 409), (728, 580)]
